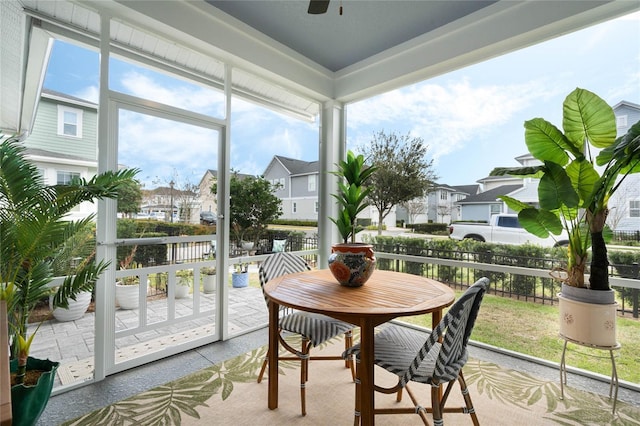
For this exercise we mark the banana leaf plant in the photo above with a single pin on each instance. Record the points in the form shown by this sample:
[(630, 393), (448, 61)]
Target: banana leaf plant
[(581, 169), (352, 194), (34, 233)]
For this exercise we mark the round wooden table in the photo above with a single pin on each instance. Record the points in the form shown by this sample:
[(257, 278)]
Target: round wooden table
[(387, 295)]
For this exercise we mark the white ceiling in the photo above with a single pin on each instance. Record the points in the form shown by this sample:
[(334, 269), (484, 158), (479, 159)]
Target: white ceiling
[(282, 56)]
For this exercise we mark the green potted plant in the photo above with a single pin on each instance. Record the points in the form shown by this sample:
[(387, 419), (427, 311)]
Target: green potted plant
[(33, 232), (351, 263), (184, 278), (128, 287), (208, 279), (79, 249), (581, 169), (240, 277)]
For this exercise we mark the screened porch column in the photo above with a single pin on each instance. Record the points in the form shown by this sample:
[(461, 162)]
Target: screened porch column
[(332, 150)]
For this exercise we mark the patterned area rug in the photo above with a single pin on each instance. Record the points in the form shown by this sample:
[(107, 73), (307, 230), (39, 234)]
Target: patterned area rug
[(227, 393)]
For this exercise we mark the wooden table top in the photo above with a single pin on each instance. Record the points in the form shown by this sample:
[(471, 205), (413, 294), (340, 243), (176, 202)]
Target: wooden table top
[(386, 294)]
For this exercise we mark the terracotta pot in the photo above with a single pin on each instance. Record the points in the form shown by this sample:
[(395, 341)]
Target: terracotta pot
[(352, 264)]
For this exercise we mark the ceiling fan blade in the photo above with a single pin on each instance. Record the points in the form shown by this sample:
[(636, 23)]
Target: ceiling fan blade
[(317, 7)]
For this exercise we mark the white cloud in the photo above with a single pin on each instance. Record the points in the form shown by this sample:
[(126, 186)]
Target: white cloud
[(446, 116)]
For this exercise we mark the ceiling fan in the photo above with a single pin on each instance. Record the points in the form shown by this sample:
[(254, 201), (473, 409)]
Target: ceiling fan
[(318, 7)]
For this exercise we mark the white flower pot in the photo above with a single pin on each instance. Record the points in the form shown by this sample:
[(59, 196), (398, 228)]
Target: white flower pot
[(76, 309), (182, 290), (209, 283), (128, 296), (588, 323)]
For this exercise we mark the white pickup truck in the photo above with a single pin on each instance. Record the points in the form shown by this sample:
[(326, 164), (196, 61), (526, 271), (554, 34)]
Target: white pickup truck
[(503, 229)]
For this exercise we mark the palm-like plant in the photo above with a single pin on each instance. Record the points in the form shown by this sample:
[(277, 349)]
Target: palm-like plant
[(34, 233), (572, 193), (352, 194)]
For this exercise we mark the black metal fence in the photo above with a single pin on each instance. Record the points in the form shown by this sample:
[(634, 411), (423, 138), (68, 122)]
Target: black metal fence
[(538, 289)]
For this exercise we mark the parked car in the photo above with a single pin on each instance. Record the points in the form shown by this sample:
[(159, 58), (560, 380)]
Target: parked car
[(207, 218), (503, 229)]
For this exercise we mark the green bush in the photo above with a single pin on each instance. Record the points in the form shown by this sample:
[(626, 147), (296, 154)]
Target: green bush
[(430, 228)]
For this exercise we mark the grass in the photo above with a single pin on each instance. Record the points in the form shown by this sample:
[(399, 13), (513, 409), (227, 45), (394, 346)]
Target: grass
[(532, 329)]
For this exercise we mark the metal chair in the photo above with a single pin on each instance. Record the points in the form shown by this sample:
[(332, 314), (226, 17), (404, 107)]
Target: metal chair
[(404, 352), (314, 329)]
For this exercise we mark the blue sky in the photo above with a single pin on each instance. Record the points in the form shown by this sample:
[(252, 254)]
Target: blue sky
[(472, 119)]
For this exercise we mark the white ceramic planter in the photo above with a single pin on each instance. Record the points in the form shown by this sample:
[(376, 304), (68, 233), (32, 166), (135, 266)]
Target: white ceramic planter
[(76, 309), (588, 323), (209, 283), (182, 288), (128, 296)]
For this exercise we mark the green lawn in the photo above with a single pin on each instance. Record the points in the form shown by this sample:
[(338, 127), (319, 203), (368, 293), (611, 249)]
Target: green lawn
[(532, 329)]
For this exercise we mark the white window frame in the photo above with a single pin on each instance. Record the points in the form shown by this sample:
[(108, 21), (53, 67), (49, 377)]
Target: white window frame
[(634, 208), (317, 206), (294, 207), (66, 173), (62, 110), (621, 121), (444, 195), (495, 209), (311, 183)]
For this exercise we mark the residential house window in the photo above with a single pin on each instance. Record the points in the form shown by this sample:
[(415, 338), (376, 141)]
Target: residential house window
[(634, 208), (64, 178), (294, 207), (281, 182), (444, 195), (311, 183), (316, 207), (69, 121), (496, 209), (621, 121)]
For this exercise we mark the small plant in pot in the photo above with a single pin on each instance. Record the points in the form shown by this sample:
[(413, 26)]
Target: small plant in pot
[(240, 277), (128, 287), (351, 263), (184, 278), (581, 169), (33, 232), (208, 279)]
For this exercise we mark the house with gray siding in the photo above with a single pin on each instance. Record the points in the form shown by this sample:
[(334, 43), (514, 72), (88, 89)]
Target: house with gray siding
[(624, 205), (297, 186)]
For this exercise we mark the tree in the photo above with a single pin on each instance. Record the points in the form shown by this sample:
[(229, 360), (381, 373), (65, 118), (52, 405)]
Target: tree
[(414, 208), (403, 172), (252, 205), (130, 197)]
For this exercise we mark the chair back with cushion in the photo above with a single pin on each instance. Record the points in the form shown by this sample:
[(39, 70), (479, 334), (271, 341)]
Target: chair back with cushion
[(455, 329), (279, 264)]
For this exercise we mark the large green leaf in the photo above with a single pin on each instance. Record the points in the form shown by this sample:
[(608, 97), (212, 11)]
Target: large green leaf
[(540, 223), (583, 178), (588, 118), (546, 142), (555, 189)]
